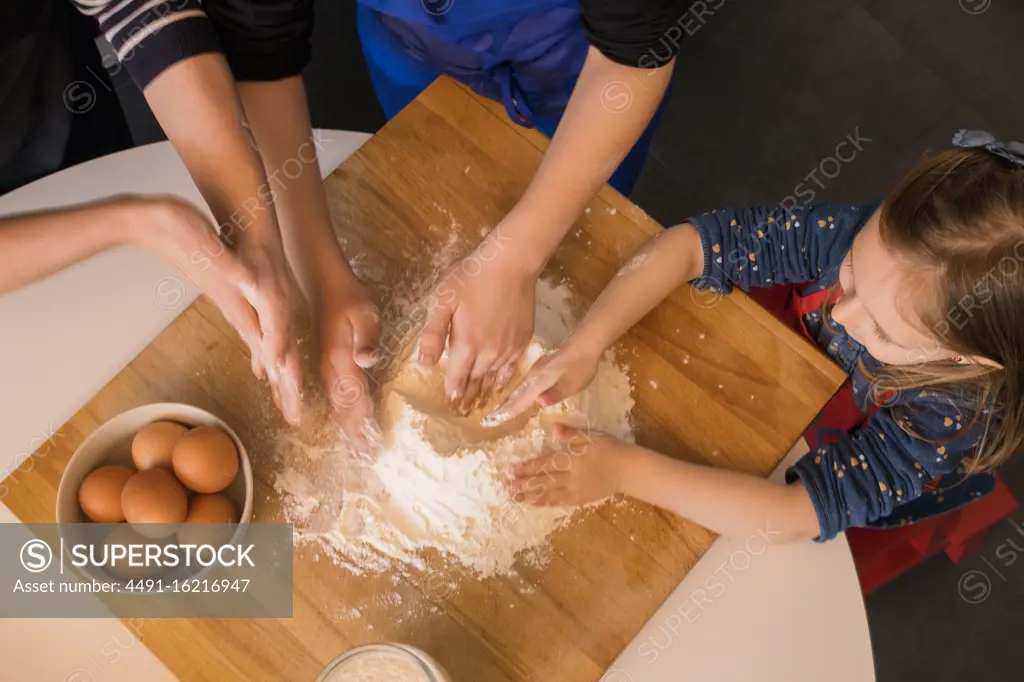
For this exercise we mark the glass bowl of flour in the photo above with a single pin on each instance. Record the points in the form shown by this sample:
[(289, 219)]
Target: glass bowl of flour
[(384, 663)]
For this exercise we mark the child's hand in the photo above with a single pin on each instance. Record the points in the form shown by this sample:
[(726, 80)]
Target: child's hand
[(552, 379), (585, 468)]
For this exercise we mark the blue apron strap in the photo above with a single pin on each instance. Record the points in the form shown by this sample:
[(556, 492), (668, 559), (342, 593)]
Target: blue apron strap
[(512, 97)]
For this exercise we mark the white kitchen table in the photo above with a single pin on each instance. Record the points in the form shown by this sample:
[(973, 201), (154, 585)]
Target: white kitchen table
[(746, 611)]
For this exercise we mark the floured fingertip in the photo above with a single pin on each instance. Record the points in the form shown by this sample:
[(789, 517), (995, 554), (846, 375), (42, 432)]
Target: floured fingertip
[(496, 418), (273, 374)]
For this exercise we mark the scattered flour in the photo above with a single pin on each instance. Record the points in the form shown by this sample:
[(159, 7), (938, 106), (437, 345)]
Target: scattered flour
[(438, 484), (634, 263), (366, 270), (638, 213), (388, 599), (298, 494)]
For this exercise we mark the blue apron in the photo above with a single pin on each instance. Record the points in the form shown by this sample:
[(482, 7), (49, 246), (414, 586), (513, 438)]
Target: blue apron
[(526, 54)]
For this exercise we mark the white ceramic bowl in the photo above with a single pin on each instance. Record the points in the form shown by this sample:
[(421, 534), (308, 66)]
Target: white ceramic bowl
[(111, 443), (419, 659)]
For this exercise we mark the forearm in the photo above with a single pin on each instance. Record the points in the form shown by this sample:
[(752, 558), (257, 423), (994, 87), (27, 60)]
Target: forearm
[(594, 136), (658, 268), (37, 245), (279, 119), (726, 502), (196, 103)]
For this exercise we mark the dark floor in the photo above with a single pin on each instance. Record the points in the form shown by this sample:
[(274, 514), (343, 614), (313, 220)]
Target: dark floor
[(763, 94)]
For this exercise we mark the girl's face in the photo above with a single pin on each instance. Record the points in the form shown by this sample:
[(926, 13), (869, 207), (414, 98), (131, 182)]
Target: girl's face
[(874, 307)]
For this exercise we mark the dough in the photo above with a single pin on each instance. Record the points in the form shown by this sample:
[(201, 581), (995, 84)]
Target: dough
[(437, 486), (422, 392)]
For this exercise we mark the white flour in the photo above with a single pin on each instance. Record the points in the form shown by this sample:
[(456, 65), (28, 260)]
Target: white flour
[(377, 667), (635, 262), (438, 483)]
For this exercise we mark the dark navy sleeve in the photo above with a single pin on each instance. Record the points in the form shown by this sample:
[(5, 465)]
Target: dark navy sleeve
[(888, 461), (767, 245)]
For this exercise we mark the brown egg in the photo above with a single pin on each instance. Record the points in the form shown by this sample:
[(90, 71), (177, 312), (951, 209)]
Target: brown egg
[(211, 508), (207, 520), (125, 535), (154, 496), (205, 460), (154, 442), (100, 493)]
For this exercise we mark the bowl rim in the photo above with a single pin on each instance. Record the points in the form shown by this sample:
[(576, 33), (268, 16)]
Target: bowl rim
[(413, 655)]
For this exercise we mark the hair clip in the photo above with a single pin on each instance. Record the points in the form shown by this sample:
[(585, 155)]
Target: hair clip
[(1011, 151)]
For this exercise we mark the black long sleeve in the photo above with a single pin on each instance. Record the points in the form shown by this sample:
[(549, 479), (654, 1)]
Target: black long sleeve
[(263, 40)]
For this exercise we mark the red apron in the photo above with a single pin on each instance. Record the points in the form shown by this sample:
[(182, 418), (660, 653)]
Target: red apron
[(957, 526), (841, 414), (789, 304)]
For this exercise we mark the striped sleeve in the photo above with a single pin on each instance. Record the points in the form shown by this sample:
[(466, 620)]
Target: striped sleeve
[(152, 35)]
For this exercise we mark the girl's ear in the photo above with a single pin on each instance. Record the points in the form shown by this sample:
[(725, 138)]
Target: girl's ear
[(976, 360)]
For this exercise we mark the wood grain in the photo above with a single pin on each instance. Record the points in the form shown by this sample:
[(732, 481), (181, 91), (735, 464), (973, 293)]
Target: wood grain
[(717, 381)]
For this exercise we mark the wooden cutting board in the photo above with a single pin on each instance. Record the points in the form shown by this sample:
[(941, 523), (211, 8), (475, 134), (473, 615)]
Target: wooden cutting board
[(717, 381)]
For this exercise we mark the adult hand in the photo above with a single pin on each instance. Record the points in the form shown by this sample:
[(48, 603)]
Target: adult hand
[(347, 324), (252, 288), (586, 467), (484, 309), (272, 296), (553, 378)]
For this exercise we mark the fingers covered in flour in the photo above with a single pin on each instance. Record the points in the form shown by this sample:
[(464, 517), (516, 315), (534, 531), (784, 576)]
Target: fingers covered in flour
[(457, 376), (581, 467), (525, 394)]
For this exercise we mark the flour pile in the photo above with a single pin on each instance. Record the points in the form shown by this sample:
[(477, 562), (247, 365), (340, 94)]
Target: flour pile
[(438, 483)]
